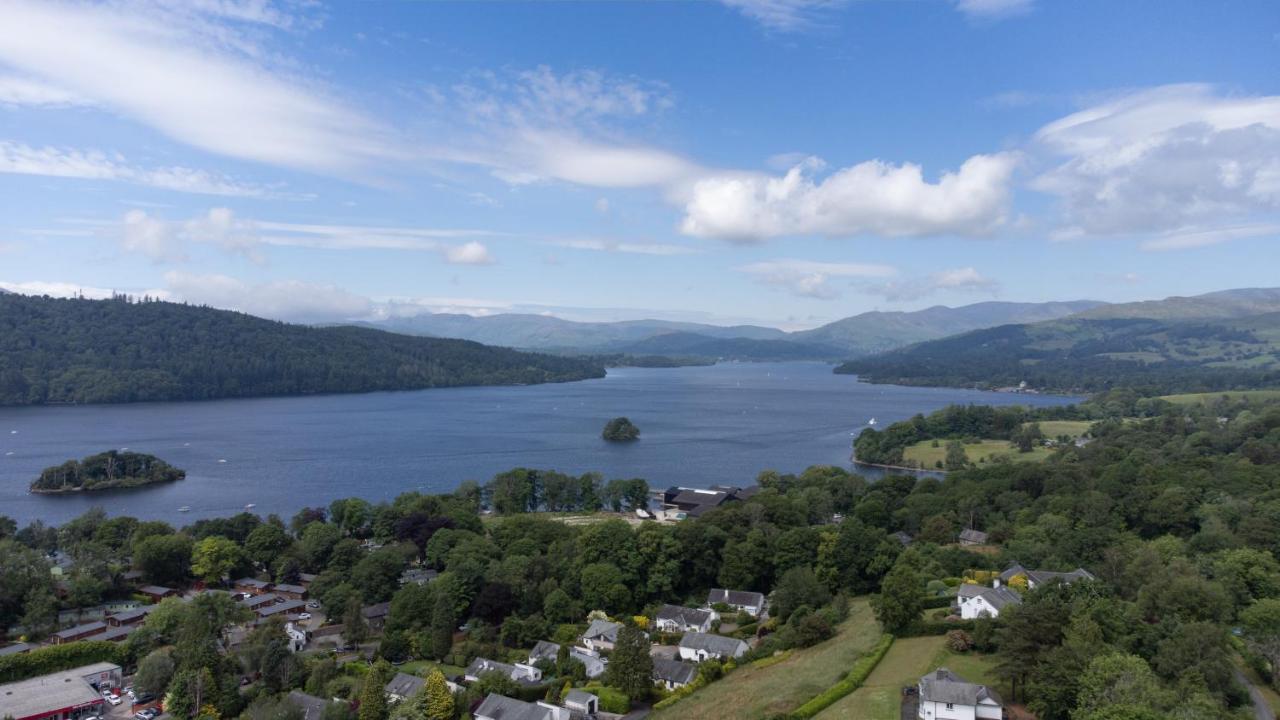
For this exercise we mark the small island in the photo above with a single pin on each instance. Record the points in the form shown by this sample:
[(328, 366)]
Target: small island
[(111, 469), (620, 429)]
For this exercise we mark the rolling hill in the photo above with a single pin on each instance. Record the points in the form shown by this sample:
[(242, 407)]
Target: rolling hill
[(1244, 302), (104, 351)]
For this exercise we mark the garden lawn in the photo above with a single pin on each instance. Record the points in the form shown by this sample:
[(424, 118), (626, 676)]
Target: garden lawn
[(422, 667), (761, 692), (1071, 428), (926, 456), (1199, 398), (881, 695)]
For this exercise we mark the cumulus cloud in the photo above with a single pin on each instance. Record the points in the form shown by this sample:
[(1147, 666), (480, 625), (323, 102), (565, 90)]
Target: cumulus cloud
[(192, 76), (872, 197), (21, 159), (283, 299), (993, 9), (1164, 159), (170, 241), (806, 278), (965, 279)]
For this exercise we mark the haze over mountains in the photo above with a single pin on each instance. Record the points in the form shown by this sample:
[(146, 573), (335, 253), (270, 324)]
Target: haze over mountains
[(855, 336)]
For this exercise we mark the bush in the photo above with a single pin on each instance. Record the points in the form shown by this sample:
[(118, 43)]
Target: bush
[(611, 700), (959, 641), (933, 603), (56, 658), (936, 627), (858, 675)]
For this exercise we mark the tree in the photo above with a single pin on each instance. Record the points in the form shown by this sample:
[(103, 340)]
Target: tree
[(214, 557), (956, 459), (901, 598), (1115, 682), (603, 587), (439, 700), (41, 616), (443, 621), (164, 559), (354, 628), (154, 672), (373, 698), (620, 429), (266, 543), (630, 667), (798, 586), (1261, 624)]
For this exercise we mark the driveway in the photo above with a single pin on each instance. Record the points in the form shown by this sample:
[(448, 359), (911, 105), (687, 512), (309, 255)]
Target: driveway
[(1261, 710)]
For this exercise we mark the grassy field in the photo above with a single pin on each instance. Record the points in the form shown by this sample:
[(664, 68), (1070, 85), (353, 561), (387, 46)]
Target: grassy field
[(755, 692), (1199, 398), (926, 456), (1070, 428), (421, 667), (909, 658)]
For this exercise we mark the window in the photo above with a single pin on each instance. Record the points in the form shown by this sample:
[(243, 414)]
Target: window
[(951, 706)]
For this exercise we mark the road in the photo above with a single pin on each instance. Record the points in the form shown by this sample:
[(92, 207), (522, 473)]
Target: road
[(1261, 710)]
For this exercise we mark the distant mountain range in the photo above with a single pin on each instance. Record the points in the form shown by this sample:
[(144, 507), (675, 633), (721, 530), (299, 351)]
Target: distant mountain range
[(1218, 341), (852, 337)]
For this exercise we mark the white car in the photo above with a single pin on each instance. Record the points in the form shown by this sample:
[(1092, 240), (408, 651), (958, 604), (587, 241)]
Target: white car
[(304, 616), (113, 699)]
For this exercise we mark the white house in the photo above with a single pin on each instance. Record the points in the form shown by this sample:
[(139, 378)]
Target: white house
[(673, 618), (740, 600), (946, 696), (979, 601), (519, 672), (501, 707), (601, 635), (297, 637), (1036, 578), (697, 647), (582, 702)]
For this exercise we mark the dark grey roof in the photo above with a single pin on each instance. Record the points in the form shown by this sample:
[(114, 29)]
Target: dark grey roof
[(735, 597), (975, 536), (674, 671), (376, 611), (544, 650), (692, 496), (14, 649), (116, 633), (285, 587), (312, 707), (714, 644), (603, 629), (997, 598), (404, 685), (1013, 571), (1044, 576), (582, 697), (287, 606), (252, 582), (93, 627), (134, 614), (944, 686), (480, 666), (418, 576), (254, 601), (684, 615), (902, 537), (501, 707), (155, 590)]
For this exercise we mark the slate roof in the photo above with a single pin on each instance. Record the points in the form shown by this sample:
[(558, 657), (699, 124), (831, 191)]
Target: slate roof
[(973, 536), (1044, 576), (14, 649), (544, 650), (674, 671), (93, 627), (944, 686), (713, 644), (501, 707), (404, 685), (580, 697), (129, 616), (312, 707), (285, 587), (155, 590), (287, 606), (902, 537), (116, 633), (252, 582), (547, 650), (603, 630), (254, 601), (376, 611), (684, 615), (735, 597), (997, 598), (419, 576)]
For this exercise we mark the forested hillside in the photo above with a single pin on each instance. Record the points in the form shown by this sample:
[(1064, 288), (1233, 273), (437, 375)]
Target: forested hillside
[(105, 351)]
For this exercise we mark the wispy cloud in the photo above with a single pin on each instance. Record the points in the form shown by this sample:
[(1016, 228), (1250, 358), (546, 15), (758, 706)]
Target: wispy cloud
[(809, 279), (623, 246), (965, 279), (785, 15), (30, 92), (1194, 238), (20, 159), (993, 9)]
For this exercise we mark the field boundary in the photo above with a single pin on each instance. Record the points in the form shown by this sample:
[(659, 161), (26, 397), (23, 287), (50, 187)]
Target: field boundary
[(858, 675)]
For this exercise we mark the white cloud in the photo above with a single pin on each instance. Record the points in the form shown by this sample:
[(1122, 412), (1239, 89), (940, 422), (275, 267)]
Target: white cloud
[(185, 71), (169, 241), (1164, 159), (965, 279), (806, 278), (871, 197), (1193, 238), (783, 15), (283, 299), (621, 246), (56, 289), (993, 9), (26, 91), (20, 159)]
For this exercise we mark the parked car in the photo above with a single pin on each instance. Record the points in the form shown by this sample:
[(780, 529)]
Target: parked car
[(314, 604), (304, 616), (114, 699)]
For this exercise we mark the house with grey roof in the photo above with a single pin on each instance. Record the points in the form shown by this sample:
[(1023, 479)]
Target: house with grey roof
[(969, 536), (1036, 578), (753, 603), (601, 635), (376, 615), (546, 650), (312, 707), (945, 695), (903, 538), (979, 601), (520, 672), (698, 646), (581, 702), (501, 707), (673, 674), (403, 686), (674, 618)]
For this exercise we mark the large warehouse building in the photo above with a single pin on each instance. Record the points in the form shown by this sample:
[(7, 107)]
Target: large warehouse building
[(67, 695)]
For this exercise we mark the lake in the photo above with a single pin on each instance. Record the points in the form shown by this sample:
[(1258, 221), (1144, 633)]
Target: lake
[(700, 426)]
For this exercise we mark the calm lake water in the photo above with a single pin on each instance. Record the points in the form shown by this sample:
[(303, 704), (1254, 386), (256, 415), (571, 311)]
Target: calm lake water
[(700, 426)]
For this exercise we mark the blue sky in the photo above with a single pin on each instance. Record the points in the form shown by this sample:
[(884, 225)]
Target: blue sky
[(785, 162)]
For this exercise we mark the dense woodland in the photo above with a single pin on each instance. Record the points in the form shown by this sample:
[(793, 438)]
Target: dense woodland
[(1151, 356), (110, 469), (1176, 514), (106, 351)]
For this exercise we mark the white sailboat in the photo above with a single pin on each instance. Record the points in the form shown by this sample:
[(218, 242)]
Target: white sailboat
[(872, 421)]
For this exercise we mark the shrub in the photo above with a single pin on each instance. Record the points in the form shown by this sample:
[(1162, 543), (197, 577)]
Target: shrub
[(858, 675), (959, 641), (941, 601), (55, 658), (936, 627), (611, 700)]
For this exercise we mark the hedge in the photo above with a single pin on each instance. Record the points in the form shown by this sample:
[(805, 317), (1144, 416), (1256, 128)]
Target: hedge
[(940, 601), (56, 658), (858, 675), (611, 700), (937, 627)]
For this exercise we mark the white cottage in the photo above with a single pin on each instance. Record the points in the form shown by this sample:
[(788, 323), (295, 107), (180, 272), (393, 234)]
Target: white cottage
[(978, 601), (946, 696)]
